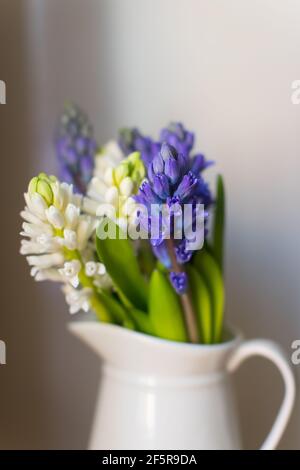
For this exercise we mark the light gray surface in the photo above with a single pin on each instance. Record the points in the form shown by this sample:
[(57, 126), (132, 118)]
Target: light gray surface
[(225, 69)]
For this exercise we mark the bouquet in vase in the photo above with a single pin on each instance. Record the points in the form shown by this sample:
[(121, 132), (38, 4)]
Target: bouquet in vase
[(130, 230)]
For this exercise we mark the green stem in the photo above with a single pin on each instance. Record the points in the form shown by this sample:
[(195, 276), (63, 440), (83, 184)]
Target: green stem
[(186, 300), (100, 310)]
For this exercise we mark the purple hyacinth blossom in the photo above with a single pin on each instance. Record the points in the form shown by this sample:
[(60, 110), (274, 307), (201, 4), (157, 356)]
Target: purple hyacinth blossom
[(183, 255), (179, 282), (86, 165), (161, 253), (147, 148), (146, 195), (173, 201), (168, 152), (169, 162), (131, 140), (65, 153), (175, 164), (150, 214), (75, 148), (158, 164), (172, 170), (177, 136), (199, 163), (187, 187), (203, 193), (80, 144), (170, 182), (174, 179), (161, 186), (66, 175)]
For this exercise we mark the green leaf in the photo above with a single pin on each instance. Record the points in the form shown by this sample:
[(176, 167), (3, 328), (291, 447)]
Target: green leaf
[(117, 311), (219, 222), (142, 321), (129, 324), (121, 263), (146, 257), (202, 304), (103, 314), (164, 309), (206, 265)]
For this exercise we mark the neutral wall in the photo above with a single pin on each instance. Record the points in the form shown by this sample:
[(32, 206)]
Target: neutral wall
[(225, 69)]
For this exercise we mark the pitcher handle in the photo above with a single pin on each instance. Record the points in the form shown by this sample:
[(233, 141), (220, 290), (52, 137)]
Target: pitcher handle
[(273, 352)]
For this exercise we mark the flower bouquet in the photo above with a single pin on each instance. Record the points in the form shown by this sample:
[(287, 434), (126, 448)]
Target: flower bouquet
[(133, 233), (125, 231)]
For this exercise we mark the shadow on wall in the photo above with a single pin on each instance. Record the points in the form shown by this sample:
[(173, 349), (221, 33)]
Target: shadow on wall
[(45, 376)]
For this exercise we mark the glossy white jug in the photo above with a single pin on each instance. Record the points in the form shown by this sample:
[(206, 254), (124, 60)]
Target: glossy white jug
[(158, 394)]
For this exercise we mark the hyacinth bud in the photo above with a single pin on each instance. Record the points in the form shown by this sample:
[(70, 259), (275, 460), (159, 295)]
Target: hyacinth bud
[(137, 168), (161, 186), (75, 147), (126, 139), (187, 187), (158, 164), (168, 152), (131, 168), (179, 137), (130, 140), (199, 163), (147, 195), (42, 184), (179, 281), (172, 170), (121, 172), (183, 255), (169, 162), (126, 186)]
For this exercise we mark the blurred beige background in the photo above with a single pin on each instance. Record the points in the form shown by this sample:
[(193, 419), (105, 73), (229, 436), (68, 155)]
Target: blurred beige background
[(225, 69)]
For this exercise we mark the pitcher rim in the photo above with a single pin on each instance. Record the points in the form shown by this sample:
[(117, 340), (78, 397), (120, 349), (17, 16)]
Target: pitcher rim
[(146, 338)]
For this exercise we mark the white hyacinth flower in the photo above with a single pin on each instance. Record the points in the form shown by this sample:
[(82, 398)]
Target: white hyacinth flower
[(72, 214), (58, 243), (77, 299), (46, 261), (47, 275), (70, 239), (70, 272), (105, 161), (55, 217), (114, 183), (54, 226), (98, 271), (91, 268)]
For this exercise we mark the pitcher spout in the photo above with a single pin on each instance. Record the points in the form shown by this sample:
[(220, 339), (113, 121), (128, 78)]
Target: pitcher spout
[(144, 354)]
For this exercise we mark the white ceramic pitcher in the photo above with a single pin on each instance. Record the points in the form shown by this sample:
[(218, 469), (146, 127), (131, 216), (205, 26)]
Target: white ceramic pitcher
[(158, 394)]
